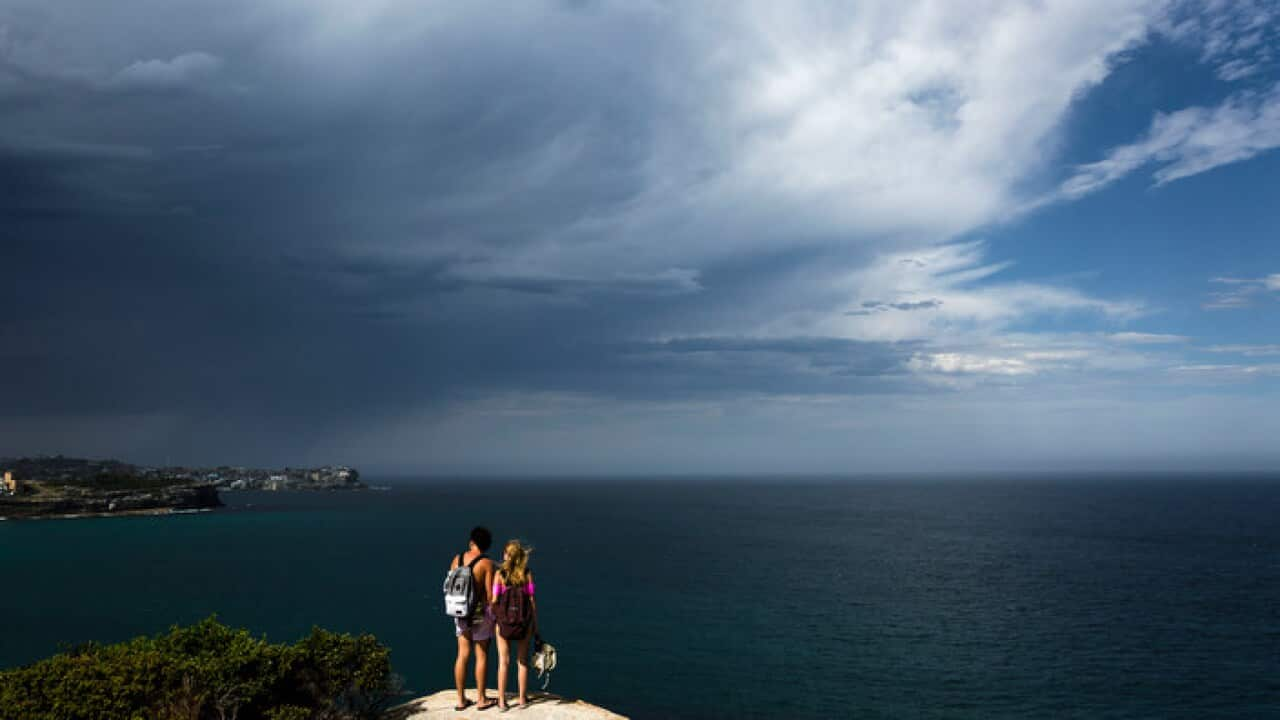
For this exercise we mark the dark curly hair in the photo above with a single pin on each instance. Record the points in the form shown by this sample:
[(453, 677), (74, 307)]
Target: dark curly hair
[(482, 538)]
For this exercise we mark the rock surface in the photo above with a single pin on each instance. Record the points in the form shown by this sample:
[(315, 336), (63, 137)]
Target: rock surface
[(542, 706)]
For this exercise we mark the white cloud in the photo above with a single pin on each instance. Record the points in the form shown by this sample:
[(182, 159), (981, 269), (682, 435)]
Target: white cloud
[(911, 118), (875, 131), (969, 364), (1235, 37), (799, 125), (953, 292), (1240, 292), (182, 71), (951, 300), (1140, 338), (1189, 142), (1035, 354), (1246, 350), (1211, 372)]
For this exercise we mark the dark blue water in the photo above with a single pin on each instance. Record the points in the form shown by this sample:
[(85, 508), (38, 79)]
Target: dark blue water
[(1108, 597)]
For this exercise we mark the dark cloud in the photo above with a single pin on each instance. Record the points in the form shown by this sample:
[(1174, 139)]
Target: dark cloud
[(264, 225), (272, 223), (62, 179), (156, 75), (920, 305), (838, 355), (236, 222), (870, 307), (150, 326)]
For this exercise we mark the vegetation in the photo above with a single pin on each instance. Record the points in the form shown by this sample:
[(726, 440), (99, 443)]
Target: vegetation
[(206, 671), (123, 480), (98, 475)]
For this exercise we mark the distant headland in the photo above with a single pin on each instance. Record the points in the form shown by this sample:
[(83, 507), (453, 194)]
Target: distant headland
[(54, 486)]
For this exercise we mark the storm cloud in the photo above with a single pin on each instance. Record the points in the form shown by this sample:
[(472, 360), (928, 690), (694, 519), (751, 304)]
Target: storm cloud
[(258, 232)]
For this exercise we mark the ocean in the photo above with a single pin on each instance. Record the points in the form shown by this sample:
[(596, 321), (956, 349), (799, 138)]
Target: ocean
[(1117, 596)]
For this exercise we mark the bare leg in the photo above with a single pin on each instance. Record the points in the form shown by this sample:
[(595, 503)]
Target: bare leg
[(482, 671), (523, 672), (460, 668), (504, 664)]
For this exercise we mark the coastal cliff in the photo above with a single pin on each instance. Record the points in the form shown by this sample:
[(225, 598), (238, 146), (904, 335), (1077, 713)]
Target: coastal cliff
[(78, 503), (542, 706), (58, 486)]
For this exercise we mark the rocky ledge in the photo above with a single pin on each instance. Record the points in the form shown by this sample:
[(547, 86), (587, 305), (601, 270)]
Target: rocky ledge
[(111, 502), (542, 706)]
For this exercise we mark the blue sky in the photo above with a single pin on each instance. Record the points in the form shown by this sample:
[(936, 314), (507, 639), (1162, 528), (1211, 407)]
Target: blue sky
[(642, 237)]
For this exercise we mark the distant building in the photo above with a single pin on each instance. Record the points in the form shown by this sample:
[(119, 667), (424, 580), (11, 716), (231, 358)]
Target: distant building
[(11, 483)]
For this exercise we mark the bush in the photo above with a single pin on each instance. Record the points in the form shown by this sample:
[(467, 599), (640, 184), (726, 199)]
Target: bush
[(207, 671)]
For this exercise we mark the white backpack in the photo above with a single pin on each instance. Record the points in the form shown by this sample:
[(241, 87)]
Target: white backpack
[(459, 590)]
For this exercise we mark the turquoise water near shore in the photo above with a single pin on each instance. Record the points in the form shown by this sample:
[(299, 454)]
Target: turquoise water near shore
[(1102, 597)]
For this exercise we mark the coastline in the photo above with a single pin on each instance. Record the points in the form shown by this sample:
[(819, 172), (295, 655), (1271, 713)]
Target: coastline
[(110, 514), (75, 503)]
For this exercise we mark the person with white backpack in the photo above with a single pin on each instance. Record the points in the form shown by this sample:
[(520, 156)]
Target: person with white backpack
[(467, 601)]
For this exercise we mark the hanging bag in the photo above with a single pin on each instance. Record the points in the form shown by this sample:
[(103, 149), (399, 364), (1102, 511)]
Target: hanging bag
[(544, 660)]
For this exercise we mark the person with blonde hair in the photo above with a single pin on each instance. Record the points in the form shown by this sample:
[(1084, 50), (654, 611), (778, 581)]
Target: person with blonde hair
[(517, 616)]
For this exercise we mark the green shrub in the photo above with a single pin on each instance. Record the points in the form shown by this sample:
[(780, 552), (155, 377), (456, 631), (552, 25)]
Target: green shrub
[(207, 671)]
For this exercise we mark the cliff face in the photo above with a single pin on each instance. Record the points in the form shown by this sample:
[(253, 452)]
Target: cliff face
[(542, 706), (178, 497)]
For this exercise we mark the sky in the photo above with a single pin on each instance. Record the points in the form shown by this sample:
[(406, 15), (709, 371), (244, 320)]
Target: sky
[(597, 237)]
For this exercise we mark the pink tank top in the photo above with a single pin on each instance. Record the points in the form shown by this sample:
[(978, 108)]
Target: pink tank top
[(499, 587)]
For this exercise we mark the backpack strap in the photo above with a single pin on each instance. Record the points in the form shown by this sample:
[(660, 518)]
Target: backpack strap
[(472, 565)]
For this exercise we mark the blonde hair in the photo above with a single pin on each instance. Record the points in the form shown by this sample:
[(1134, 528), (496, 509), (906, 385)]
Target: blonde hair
[(515, 567)]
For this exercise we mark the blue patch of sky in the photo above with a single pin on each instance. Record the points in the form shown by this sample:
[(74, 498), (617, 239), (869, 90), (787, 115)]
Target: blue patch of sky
[(1161, 244), (1159, 76)]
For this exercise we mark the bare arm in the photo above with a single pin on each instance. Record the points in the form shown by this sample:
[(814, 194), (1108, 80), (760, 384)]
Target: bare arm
[(485, 574), (533, 602)]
